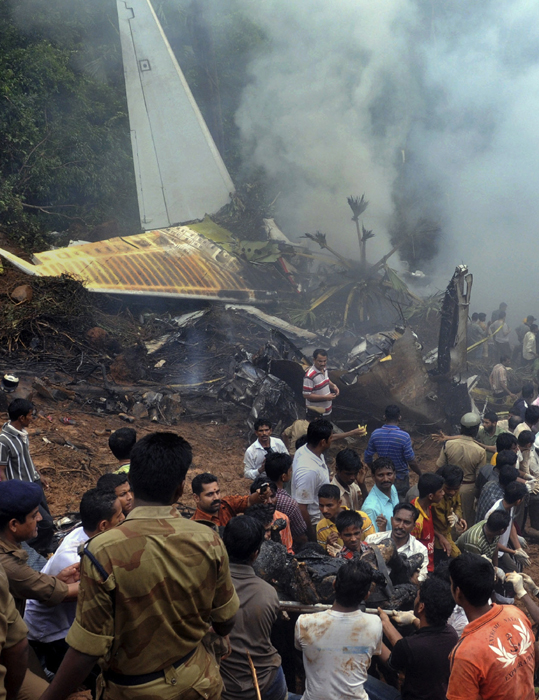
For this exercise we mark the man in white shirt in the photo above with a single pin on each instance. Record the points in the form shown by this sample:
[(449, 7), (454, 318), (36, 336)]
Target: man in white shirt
[(310, 472), (402, 524), (510, 549), (48, 626), (338, 644), (529, 345), (255, 455)]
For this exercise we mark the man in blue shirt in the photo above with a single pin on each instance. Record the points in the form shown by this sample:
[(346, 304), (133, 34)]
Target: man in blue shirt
[(390, 441), (383, 496)]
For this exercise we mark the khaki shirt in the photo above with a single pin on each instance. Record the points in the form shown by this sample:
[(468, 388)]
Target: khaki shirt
[(294, 432), (464, 453), (24, 582), (12, 628), (350, 498), (168, 578), (440, 513)]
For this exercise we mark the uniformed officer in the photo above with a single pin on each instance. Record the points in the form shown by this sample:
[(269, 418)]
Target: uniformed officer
[(150, 590), (465, 453), (13, 643), (19, 517)]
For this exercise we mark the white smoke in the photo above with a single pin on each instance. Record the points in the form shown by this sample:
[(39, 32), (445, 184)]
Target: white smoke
[(345, 89)]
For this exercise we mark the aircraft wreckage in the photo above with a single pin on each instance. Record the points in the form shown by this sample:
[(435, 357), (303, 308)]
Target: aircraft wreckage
[(201, 261)]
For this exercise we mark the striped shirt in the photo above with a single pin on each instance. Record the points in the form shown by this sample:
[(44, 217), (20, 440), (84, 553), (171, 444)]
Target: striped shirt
[(316, 383), (390, 441), (474, 541), (287, 505), (15, 454)]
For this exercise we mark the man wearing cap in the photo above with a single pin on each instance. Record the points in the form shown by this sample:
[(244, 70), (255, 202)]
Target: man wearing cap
[(465, 453), (19, 516), (16, 463)]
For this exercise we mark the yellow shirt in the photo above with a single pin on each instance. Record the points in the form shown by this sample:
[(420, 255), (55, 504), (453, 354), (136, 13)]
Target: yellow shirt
[(325, 527)]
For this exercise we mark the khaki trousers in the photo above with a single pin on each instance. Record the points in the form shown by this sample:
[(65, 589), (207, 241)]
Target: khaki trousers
[(467, 497)]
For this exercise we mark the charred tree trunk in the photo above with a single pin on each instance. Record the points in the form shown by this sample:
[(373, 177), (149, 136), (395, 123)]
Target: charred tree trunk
[(453, 323)]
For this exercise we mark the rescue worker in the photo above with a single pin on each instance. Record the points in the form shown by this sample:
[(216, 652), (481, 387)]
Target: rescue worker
[(465, 453)]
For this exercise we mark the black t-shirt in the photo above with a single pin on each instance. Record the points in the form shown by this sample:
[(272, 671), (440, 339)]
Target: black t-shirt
[(424, 658)]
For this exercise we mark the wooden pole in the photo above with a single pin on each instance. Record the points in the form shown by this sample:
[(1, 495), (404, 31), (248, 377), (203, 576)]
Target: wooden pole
[(255, 679)]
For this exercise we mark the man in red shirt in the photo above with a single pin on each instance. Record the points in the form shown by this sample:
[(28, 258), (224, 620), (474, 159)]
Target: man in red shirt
[(431, 491), (216, 509), (495, 658)]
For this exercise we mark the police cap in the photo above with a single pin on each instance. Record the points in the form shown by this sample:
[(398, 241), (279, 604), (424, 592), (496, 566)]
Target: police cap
[(470, 420), (19, 497)]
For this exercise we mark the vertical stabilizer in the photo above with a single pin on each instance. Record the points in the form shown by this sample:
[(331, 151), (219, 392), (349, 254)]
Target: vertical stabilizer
[(179, 172)]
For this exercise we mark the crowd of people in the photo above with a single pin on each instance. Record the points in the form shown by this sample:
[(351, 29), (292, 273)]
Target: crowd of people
[(140, 602)]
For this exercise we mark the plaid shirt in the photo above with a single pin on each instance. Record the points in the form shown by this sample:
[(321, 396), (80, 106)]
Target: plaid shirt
[(287, 505), (390, 441), (490, 493)]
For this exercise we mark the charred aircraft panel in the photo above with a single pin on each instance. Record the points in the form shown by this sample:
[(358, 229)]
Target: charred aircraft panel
[(176, 263)]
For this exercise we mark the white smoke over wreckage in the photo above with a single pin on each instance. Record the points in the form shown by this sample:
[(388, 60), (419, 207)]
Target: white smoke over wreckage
[(429, 108)]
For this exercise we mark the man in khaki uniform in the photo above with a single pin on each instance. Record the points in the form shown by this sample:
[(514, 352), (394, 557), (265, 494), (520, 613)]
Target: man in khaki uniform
[(19, 518), (150, 590), (465, 453), (13, 643)]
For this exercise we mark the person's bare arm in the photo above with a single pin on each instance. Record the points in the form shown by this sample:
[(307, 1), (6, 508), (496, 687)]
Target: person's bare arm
[(384, 656), (361, 482), (311, 532), (390, 631), (74, 669), (334, 388), (15, 660), (446, 544), (357, 432), (414, 466), (315, 398)]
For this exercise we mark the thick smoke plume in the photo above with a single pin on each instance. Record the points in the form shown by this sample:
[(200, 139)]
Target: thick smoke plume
[(429, 108)]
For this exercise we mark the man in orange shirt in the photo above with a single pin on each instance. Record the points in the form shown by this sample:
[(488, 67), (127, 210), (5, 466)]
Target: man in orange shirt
[(431, 491), (216, 509), (495, 658)]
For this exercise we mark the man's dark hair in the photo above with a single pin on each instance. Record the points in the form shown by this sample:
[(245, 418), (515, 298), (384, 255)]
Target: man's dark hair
[(159, 464), (392, 412), (491, 416), (320, 351), (505, 441), (474, 575), (482, 316), (429, 483), (513, 492), (525, 438), (302, 440), (507, 475), (531, 417), (263, 512), (121, 442), (259, 422), (330, 491), (475, 317), (528, 390), (348, 460), (96, 505), (506, 458), (382, 463), (260, 481), (110, 482), (18, 408), (352, 583), (277, 465), (320, 429), (243, 536), (498, 520), (435, 594), (513, 422), (200, 480), (451, 474), (347, 518), (441, 571), (406, 506)]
